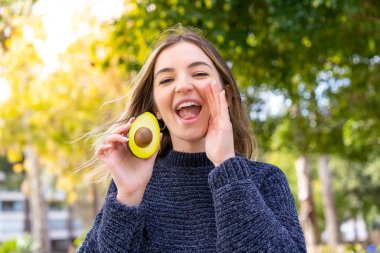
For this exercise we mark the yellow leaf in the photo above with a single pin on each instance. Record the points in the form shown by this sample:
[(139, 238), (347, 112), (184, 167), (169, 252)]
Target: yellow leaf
[(220, 38), (72, 197), (306, 42), (14, 155), (18, 168), (208, 4)]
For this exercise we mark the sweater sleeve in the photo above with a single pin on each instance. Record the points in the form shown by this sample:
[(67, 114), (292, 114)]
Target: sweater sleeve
[(250, 217), (117, 227)]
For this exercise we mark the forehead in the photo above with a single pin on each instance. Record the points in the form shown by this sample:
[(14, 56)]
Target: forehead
[(184, 52)]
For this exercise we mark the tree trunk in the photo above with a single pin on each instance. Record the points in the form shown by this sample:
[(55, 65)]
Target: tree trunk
[(37, 203), (27, 223), (70, 222), (305, 196), (25, 189), (332, 224), (27, 8)]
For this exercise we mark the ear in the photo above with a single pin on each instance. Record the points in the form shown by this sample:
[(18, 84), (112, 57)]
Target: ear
[(156, 112)]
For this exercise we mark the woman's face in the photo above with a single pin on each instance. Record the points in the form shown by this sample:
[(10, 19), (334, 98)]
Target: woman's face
[(181, 74)]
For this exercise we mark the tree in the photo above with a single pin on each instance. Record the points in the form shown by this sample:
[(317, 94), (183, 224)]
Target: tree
[(332, 224), (44, 114)]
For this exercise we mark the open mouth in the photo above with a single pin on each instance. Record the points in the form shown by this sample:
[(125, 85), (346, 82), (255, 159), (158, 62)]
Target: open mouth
[(188, 110)]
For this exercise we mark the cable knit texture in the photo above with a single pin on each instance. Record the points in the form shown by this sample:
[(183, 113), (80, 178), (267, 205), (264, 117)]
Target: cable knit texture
[(191, 206)]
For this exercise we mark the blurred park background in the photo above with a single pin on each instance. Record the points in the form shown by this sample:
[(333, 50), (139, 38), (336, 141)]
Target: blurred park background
[(309, 71)]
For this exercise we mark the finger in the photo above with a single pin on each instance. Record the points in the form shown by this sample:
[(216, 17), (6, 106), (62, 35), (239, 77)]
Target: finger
[(116, 138), (210, 100), (224, 105), (211, 125), (215, 93), (124, 128), (103, 149)]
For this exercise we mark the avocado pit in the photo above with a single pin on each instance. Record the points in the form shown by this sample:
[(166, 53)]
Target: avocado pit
[(143, 137)]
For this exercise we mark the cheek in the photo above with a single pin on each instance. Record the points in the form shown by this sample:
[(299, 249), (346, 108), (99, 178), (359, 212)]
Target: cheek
[(201, 84), (162, 101)]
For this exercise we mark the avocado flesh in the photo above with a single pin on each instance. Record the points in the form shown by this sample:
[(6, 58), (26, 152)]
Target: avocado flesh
[(144, 136)]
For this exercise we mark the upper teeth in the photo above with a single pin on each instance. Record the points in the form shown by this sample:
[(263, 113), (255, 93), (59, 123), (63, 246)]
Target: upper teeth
[(186, 104)]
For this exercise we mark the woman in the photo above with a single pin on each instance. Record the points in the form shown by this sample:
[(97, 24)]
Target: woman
[(201, 194)]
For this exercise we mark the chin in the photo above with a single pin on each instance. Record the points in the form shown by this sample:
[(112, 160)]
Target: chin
[(195, 137)]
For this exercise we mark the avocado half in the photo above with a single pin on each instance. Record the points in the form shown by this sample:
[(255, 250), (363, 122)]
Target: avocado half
[(144, 135)]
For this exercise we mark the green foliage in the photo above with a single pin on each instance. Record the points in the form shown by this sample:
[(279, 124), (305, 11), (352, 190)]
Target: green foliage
[(357, 187), (8, 246), (12, 180), (285, 46), (344, 248), (23, 244), (354, 248), (79, 240)]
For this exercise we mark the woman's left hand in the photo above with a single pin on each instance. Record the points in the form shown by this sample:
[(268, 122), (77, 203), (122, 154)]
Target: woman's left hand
[(219, 139)]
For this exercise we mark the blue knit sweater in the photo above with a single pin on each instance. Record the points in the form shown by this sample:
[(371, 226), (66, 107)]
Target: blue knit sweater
[(191, 206)]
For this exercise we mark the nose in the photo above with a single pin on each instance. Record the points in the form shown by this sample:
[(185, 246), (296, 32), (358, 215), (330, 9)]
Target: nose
[(184, 85)]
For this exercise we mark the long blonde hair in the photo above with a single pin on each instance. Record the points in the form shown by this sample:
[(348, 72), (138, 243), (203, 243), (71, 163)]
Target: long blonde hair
[(140, 97)]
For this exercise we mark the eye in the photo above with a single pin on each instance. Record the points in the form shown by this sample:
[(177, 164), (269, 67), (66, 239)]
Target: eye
[(166, 81), (200, 74)]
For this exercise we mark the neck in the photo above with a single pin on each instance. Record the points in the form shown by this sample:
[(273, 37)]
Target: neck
[(196, 146)]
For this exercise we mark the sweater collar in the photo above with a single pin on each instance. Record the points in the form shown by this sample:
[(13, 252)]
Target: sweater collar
[(182, 159)]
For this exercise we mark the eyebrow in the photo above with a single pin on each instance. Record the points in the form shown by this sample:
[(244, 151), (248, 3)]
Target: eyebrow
[(197, 63), (164, 70)]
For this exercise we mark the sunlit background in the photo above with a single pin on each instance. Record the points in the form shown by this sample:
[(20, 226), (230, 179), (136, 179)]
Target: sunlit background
[(308, 71)]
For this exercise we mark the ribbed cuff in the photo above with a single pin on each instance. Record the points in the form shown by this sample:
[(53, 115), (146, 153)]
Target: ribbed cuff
[(120, 213), (231, 170), (119, 224)]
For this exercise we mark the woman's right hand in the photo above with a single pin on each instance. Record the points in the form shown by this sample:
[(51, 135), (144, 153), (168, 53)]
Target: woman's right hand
[(130, 174)]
